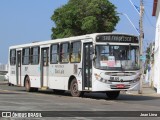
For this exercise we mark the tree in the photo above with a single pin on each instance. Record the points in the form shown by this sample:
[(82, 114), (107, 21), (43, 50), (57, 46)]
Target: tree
[(149, 56), (79, 17), (148, 52)]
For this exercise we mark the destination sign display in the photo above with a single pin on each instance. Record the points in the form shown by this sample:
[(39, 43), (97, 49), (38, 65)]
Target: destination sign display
[(117, 38)]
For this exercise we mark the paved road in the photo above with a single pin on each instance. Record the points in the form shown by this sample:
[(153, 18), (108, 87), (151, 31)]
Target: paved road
[(16, 98)]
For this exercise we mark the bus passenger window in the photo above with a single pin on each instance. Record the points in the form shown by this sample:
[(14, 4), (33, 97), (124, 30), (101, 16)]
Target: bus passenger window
[(64, 53), (75, 52), (26, 56), (35, 55), (12, 57), (54, 53)]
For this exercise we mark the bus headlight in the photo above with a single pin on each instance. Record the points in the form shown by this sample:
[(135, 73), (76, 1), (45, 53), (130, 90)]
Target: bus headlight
[(135, 80), (99, 78)]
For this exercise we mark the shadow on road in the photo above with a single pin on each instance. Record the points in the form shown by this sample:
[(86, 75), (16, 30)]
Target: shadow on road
[(96, 96), (102, 96), (123, 97)]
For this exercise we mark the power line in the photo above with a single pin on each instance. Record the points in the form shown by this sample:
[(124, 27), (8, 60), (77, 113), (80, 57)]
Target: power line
[(135, 7), (148, 19)]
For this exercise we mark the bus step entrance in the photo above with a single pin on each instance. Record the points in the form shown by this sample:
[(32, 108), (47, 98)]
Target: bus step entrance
[(88, 88), (44, 88)]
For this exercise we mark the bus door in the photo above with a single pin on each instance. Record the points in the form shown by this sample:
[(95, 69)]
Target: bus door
[(44, 67), (18, 68), (87, 66)]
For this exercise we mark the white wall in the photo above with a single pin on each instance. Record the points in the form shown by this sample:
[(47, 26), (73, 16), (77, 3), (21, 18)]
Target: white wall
[(156, 82)]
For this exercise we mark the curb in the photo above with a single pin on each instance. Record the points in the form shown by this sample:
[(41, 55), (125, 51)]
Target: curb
[(143, 94), (3, 82)]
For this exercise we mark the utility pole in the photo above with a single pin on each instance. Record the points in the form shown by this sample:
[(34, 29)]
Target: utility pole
[(141, 43)]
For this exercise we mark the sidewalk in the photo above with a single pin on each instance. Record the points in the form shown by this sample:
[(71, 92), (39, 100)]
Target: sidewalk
[(146, 90), (3, 82)]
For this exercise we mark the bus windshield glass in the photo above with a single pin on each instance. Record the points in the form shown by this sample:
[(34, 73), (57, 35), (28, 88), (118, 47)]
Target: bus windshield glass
[(116, 57)]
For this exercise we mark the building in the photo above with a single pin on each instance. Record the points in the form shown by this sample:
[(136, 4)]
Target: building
[(3, 72), (156, 13), (3, 67)]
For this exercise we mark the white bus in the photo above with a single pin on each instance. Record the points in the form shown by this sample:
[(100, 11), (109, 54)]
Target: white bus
[(99, 62)]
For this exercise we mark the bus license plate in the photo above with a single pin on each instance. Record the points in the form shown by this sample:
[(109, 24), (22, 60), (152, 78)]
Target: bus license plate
[(120, 86)]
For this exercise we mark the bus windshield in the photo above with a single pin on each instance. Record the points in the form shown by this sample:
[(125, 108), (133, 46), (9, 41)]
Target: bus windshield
[(116, 57)]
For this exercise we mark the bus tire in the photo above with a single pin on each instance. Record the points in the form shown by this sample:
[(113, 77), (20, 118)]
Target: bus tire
[(27, 85), (112, 94), (74, 89)]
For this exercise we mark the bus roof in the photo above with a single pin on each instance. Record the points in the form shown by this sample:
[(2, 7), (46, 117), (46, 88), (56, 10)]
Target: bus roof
[(74, 38)]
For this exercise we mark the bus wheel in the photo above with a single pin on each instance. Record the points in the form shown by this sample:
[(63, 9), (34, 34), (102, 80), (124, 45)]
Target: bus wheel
[(27, 85), (74, 89), (112, 94)]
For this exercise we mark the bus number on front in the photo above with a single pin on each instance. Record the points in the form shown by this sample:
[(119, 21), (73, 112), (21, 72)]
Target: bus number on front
[(114, 78)]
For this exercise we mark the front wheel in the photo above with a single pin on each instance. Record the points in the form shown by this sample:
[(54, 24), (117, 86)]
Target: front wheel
[(74, 89), (112, 94)]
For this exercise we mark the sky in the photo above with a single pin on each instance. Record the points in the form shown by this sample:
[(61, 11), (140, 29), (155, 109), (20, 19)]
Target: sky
[(26, 21)]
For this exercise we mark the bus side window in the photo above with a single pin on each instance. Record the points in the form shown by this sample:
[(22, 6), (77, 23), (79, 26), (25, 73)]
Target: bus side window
[(75, 52), (26, 56), (35, 55), (64, 53), (12, 57), (54, 53)]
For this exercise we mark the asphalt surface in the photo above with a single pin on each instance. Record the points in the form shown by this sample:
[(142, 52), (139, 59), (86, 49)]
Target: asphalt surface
[(14, 98)]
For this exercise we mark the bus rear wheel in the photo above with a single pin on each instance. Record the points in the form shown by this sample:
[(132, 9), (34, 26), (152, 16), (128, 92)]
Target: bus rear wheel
[(112, 94), (74, 89)]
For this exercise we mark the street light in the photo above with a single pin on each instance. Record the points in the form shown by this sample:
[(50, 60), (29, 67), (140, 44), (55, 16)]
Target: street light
[(130, 22)]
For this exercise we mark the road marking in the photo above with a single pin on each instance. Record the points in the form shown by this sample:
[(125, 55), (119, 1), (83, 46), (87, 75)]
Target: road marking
[(2, 90)]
